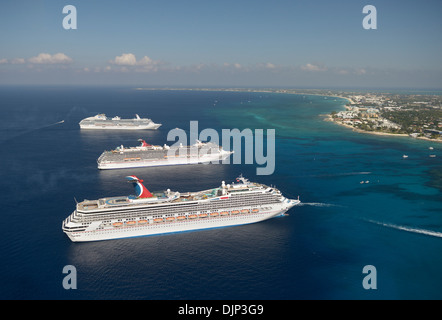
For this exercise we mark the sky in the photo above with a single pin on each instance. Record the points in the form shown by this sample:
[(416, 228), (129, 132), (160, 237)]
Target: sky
[(241, 43)]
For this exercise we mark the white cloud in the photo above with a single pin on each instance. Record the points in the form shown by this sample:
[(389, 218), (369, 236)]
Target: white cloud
[(13, 61), (247, 68), (129, 59), (232, 65), (128, 62), (46, 58), (145, 61), (126, 59), (360, 71), (312, 67), (18, 61)]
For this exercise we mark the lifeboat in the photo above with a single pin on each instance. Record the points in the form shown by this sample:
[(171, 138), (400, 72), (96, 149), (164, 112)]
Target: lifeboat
[(117, 224), (203, 215), (255, 210), (181, 218), (130, 223), (158, 220), (224, 213), (214, 214), (235, 211), (193, 216), (142, 221), (244, 211), (169, 219)]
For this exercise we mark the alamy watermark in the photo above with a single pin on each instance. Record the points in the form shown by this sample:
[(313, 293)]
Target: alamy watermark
[(370, 21), (370, 280), (70, 280), (70, 20), (259, 145)]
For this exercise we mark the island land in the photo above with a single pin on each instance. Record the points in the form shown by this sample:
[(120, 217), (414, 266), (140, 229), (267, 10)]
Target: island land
[(417, 115)]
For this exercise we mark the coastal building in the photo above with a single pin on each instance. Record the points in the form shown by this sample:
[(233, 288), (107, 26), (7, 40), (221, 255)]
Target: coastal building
[(433, 131)]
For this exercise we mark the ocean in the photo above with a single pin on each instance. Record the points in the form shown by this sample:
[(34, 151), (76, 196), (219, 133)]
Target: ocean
[(392, 221)]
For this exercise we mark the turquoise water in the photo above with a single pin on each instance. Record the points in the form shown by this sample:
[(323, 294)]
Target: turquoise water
[(394, 222), (318, 251)]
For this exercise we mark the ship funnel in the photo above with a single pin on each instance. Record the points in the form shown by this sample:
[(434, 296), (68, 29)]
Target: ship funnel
[(144, 143), (140, 190)]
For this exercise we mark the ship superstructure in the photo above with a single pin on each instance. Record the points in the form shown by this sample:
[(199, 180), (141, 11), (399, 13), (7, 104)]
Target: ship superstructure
[(150, 213), (100, 121), (147, 155)]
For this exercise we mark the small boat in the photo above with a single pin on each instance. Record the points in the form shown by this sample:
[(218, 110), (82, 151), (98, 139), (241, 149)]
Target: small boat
[(169, 219), (181, 218), (130, 223), (214, 214), (224, 213), (203, 215), (235, 211), (158, 220), (404, 156), (142, 221), (432, 156), (117, 224), (431, 148), (193, 216), (255, 210), (244, 211)]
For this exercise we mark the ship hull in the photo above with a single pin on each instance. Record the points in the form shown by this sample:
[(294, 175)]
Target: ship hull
[(121, 127), (175, 226), (162, 162)]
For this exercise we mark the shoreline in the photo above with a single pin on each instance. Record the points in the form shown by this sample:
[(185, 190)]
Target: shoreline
[(327, 117), (330, 119), (244, 90)]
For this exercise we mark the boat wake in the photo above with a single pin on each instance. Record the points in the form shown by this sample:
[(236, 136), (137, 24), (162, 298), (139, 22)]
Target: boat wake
[(340, 174), (318, 204), (408, 229), (32, 130)]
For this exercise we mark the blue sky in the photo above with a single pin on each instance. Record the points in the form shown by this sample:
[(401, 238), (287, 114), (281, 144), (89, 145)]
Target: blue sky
[(296, 43)]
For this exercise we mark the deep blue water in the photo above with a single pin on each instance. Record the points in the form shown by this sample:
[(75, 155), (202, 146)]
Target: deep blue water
[(318, 251)]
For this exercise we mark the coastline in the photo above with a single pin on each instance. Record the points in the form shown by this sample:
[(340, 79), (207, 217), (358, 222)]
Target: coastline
[(327, 117), (330, 118), (280, 91)]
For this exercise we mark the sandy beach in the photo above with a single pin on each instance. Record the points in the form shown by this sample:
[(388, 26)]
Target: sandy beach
[(330, 118)]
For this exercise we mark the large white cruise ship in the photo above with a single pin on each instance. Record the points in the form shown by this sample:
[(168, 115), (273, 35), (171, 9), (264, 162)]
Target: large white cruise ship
[(100, 121), (147, 155), (149, 213)]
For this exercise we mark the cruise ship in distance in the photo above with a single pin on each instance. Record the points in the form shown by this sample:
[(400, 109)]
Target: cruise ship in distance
[(151, 213), (100, 121), (147, 155)]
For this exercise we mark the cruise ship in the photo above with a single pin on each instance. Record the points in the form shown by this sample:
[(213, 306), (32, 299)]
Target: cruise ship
[(100, 121), (151, 213), (147, 155)]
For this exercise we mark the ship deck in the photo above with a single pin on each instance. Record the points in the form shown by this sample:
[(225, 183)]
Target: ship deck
[(158, 197)]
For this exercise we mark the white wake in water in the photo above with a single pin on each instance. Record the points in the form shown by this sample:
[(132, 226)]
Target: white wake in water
[(318, 204), (408, 229), (339, 174), (32, 130)]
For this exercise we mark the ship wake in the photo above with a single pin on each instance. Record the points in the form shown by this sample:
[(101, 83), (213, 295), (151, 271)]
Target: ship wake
[(32, 130), (408, 229), (318, 204)]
